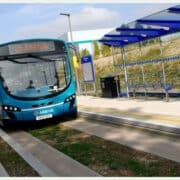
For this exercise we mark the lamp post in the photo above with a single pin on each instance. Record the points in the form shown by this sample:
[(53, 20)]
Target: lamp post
[(70, 29), (69, 22)]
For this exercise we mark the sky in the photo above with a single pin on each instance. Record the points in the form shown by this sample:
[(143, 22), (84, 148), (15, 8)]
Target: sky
[(33, 20)]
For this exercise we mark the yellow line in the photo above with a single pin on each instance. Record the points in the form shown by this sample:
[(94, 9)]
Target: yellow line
[(130, 114)]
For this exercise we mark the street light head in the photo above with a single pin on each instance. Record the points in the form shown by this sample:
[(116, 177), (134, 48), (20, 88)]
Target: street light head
[(65, 14)]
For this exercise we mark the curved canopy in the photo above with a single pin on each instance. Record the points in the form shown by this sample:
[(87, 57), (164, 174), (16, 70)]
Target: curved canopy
[(159, 24)]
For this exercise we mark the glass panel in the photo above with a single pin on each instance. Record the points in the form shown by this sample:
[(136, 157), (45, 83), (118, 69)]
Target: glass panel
[(35, 77)]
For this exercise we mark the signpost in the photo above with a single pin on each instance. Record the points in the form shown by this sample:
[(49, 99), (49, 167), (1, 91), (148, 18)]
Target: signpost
[(88, 70)]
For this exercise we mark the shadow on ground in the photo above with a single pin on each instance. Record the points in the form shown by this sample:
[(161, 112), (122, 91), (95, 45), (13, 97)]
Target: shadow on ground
[(16, 126)]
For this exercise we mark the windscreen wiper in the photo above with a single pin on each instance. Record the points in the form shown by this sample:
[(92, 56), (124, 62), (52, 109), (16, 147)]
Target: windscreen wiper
[(40, 58), (6, 58), (12, 60)]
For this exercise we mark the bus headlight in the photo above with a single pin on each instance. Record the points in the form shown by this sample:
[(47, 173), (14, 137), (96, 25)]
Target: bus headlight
[(5, 108), (11, 108), (70, 98)]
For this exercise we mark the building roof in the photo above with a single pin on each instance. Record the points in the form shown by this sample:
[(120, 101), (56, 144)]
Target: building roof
[(85, 36)]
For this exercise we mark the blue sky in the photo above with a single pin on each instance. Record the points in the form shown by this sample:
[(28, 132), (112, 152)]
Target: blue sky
[(19, 21)]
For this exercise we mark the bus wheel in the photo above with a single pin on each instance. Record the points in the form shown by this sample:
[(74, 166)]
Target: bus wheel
[(2, 124), (74, 115)]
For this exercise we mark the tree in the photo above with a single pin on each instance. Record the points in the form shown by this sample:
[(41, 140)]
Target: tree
[(96, 50), (84, 52), (106, 51)]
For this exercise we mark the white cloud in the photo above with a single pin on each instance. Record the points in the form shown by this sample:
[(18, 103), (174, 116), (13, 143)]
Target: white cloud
[(86, 18), (95, 17)]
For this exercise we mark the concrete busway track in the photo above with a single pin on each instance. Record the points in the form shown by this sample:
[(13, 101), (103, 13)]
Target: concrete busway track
[(3, 172), (47, 161), (166, 145)]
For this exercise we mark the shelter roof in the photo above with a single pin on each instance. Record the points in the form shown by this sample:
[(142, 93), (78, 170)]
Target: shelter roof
[(158, 24)]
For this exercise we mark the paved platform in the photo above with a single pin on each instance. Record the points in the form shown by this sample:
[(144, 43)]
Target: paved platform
[(161, 145), (156, 114)]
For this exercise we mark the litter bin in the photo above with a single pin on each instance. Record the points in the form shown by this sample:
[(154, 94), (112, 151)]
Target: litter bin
[(109, 85)]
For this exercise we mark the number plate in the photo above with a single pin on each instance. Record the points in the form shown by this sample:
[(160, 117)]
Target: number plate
[(46, 116)]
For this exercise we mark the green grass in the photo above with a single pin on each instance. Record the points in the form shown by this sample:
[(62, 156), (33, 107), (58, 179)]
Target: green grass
[(13, 163), (105, 157)]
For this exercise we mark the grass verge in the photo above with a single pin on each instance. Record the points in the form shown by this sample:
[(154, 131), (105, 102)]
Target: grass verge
[(105, 157), (13, 163)]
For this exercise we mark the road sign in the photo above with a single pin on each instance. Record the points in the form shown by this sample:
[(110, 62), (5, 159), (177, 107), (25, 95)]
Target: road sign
[(87, 69)]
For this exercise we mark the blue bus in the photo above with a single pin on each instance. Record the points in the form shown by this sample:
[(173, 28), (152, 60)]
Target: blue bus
[(36, 81)]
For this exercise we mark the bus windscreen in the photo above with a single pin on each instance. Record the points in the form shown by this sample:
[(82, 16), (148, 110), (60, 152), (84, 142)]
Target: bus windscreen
[(34, 69)]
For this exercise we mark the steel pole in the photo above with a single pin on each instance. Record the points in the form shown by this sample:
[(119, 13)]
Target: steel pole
[(142, 67), (94, 84), (161, 49), (125, 70), (76, 72), (71, 35), (112, 53), (163, 71)]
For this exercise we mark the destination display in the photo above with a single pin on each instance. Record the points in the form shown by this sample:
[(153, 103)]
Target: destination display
[(29, 47), (32, 46)]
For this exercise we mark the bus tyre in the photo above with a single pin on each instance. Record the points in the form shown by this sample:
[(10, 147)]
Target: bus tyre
[(74, 115), (1, 124)]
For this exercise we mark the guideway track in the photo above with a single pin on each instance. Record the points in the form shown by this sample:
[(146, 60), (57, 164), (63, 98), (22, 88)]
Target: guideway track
[(47, 161), (27, 156), (3, 172), (165, 146)]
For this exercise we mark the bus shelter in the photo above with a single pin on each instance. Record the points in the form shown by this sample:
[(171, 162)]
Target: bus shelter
[(154, 26)]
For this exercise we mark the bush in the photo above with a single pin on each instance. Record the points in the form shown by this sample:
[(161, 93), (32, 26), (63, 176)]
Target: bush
[(106, 51), (84, 52), (96, 50)]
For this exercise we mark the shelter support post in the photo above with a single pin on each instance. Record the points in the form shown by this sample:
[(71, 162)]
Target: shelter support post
[(163, 72), (142, 70), (115, 74), (164, 82), (125, 70), (144, 81), (161, 47), (94, 83)]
